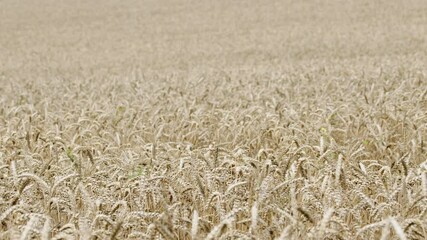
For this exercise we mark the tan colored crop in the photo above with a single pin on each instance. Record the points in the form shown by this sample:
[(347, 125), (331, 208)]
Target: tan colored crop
[(213, 119)]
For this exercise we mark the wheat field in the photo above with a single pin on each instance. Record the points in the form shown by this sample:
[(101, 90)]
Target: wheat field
[(198, 119)]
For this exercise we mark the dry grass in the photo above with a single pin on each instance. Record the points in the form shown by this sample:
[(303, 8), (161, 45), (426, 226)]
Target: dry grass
[(213, 120)]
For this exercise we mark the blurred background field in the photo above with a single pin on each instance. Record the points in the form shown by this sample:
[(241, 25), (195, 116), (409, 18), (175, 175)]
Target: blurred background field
[(57, 37)]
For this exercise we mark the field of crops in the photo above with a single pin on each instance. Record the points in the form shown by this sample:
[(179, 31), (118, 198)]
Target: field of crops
[(196, 119)]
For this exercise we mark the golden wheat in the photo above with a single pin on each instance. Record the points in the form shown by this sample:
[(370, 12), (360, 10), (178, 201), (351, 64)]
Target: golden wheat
[(213, 119)]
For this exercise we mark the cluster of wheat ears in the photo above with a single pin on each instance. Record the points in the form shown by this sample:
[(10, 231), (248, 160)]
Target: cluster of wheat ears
[(224, 155), (219, 119)]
